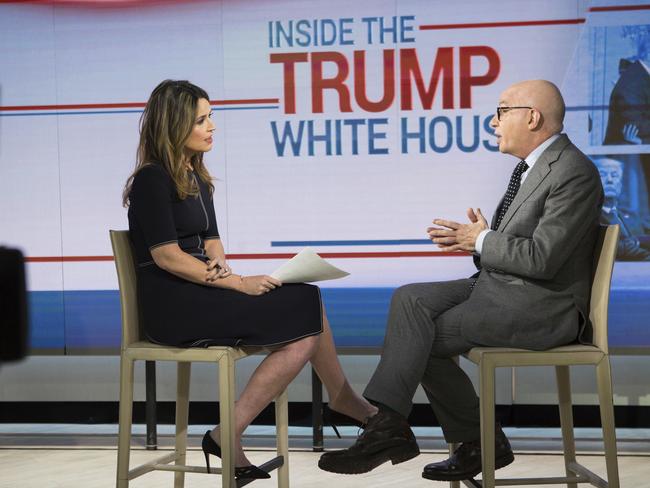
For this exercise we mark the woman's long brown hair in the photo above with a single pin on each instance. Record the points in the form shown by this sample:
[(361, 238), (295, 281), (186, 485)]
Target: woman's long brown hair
[(165, 125)]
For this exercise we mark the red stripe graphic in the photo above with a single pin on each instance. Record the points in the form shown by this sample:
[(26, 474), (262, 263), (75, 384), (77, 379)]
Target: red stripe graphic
[(392, 254), (99, 3), (72, 106), (247, 101), (479, 25), (616, 8), (66, 259)]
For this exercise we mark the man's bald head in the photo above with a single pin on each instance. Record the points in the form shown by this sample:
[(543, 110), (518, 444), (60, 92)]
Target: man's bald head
[(544, 97), (529, 113)]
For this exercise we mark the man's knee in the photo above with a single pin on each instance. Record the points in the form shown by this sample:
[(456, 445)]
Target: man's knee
[(405, 294), (449, 348), (449, 341)]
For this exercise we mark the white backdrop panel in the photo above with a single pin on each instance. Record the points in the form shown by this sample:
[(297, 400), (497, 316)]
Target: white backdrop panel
[(67, 186)]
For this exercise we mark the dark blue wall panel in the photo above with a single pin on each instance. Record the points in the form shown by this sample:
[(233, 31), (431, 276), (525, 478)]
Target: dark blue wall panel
[(91, 319)]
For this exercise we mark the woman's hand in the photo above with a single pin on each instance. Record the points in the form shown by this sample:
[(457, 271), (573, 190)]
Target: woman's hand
[(217, 269), (259, 284)]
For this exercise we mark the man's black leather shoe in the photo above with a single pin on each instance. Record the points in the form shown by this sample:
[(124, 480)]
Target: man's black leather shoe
[(386, 437), (465, 462)]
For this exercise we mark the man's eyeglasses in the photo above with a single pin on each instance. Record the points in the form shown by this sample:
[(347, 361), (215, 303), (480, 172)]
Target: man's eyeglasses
[(503, 110)]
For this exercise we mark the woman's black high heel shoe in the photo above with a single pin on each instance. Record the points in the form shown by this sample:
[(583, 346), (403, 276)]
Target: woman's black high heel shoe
[(328, 413), (245, 472)]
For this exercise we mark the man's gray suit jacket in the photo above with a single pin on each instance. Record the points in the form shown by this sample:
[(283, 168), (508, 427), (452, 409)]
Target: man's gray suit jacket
[(533, 289)]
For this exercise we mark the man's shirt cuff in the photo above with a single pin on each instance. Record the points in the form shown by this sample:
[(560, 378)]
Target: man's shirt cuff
[(479, 241)]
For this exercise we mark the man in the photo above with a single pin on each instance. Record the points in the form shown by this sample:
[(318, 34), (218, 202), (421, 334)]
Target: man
[(629, 103), (628, 120), (532, 292), (633, 234)]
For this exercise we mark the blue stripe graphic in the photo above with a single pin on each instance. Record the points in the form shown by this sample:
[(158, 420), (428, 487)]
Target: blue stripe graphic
[(368, 242), (91, 319), (46, 316)]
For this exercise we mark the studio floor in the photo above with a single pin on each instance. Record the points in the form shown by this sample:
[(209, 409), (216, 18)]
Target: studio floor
[(71, 456)]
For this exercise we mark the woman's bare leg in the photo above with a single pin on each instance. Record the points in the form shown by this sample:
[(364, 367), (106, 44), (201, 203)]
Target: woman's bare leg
[(269, 379), (342, 397)]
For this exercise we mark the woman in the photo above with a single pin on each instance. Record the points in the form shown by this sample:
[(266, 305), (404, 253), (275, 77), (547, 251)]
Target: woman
[(186, 290)]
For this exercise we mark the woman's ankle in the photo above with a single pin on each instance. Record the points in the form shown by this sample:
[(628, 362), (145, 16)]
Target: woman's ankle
[(240, 457), (216, 435), (349, 403), (372, 410)]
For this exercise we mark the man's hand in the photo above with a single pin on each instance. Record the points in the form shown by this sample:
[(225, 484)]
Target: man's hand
[(453, 236), (631, 134)]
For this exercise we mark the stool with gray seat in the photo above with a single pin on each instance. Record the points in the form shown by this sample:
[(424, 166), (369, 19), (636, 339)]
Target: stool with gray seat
[(136, 348), (489, 358)]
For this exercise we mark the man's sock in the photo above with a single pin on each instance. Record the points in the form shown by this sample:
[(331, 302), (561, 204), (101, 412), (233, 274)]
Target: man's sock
[(385, 408)]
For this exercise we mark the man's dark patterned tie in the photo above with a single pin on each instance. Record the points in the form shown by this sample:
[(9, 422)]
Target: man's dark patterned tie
[(513, 188)]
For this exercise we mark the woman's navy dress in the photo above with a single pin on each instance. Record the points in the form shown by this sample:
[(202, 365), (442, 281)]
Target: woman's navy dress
[(181, 313)]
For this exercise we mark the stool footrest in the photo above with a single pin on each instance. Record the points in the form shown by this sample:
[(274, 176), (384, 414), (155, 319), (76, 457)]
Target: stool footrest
[(268, 466), (584, 475), (162, 464), (583, 472), (151, 465)]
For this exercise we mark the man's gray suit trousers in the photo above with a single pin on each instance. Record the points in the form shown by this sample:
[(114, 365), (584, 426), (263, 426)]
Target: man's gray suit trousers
[(422, 337)]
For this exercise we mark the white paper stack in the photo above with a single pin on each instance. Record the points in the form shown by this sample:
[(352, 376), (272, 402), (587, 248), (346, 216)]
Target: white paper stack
[(307, 266)]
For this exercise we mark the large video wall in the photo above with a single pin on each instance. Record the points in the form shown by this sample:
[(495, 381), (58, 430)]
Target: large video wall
[(344, 126)]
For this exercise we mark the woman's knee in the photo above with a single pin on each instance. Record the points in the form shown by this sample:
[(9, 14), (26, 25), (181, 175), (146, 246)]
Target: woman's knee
[(305, 347), (311, 345)]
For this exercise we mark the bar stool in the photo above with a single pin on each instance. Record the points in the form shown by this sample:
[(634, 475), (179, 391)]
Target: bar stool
[(489, 358), (135, 347)]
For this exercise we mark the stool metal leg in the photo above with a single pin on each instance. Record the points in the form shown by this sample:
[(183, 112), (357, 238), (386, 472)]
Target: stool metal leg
[(605, 397), (566, 419), (282, 437), (452, 448), (227, 419), (126, 419), (486, 380), (150, 405), (316, 411), (182, 411)]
